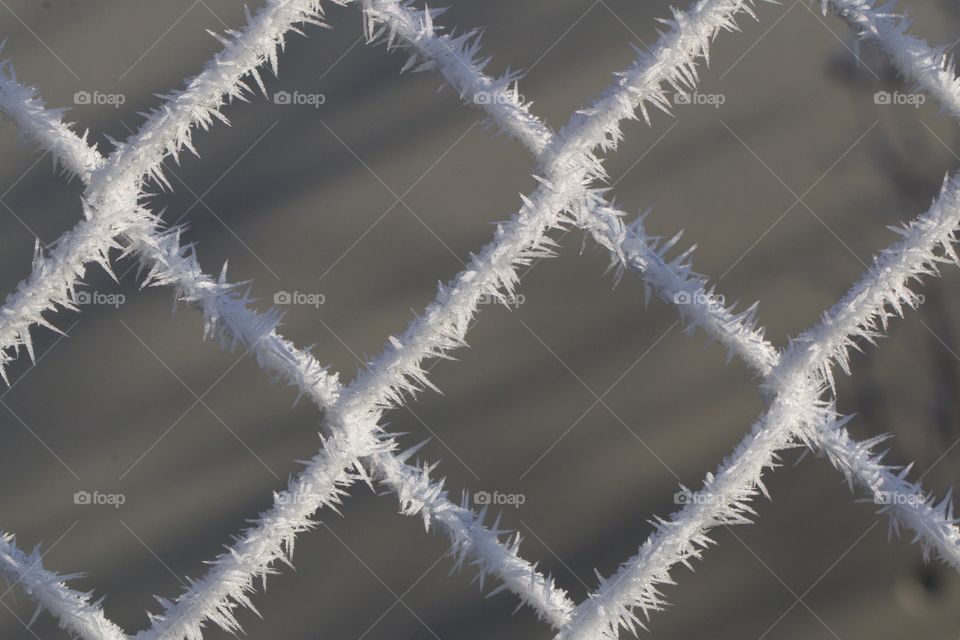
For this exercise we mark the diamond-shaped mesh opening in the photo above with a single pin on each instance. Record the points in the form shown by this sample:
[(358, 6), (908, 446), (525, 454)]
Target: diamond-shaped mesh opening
[(752, 149), (188, 472), (913, 404)]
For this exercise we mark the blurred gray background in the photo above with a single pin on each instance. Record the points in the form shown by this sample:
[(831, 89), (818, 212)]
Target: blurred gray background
[(306, 199)]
